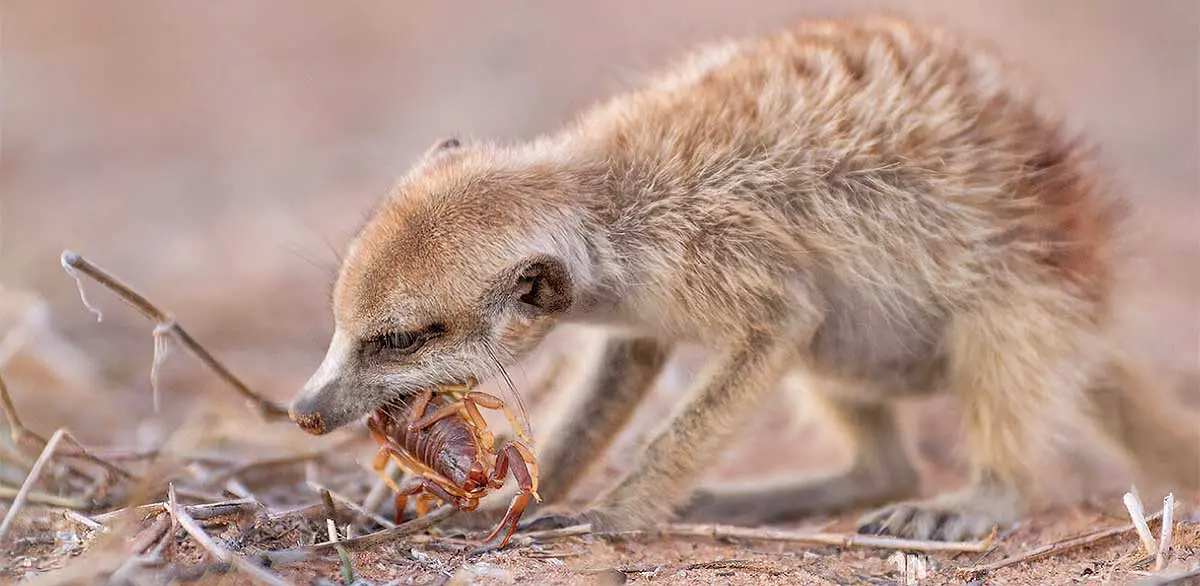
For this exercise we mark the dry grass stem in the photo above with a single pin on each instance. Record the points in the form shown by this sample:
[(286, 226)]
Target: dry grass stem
[(1134, 505), (30, 481), (380, 490), (199, 512), (83, 520), (1164, 542), (41, 498), (16, 429), (21, 434), (256, 572), (353, 506), (149, 536), (74, 263), (379, 537), (835, 539), (85, 454), (1055, 548)]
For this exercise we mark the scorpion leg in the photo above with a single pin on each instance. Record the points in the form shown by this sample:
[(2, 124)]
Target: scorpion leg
[(417, 467), (428, 489), (412, 487), (513, 454), (418, 409), (462, 502), (493, 402), (379, 465), (423, 502)]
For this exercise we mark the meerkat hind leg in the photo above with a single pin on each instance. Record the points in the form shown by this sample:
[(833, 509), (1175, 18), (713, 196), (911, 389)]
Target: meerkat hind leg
[(1020, 370), (880, 472)]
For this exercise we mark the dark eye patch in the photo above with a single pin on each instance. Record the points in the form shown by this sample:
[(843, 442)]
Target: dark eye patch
[(405, 342)]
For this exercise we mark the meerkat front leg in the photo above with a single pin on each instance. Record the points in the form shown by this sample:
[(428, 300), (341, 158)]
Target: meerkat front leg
[(597, 410), (694, 435)]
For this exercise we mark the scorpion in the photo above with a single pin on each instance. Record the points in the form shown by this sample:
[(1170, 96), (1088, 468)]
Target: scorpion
[(451, 455)]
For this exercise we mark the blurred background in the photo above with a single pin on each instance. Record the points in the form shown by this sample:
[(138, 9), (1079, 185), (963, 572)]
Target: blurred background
[(217, 156)]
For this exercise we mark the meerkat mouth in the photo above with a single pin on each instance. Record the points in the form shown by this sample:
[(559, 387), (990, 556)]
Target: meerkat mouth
[(398, 408)]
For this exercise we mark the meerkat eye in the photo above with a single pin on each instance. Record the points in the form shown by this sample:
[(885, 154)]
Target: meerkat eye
[(407, 342)]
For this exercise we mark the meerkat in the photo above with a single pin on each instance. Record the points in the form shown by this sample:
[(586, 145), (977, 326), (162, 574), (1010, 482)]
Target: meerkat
[(869, 202)]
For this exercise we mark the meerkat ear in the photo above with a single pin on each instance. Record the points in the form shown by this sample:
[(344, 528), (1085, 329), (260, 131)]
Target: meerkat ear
[(447, 144), (439, 149), (542, 285)]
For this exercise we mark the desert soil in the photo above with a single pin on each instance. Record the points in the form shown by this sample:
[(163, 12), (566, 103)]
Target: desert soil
[(218, 157)]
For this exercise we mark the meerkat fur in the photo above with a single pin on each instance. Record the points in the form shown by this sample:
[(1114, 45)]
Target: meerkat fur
[(869, 202)]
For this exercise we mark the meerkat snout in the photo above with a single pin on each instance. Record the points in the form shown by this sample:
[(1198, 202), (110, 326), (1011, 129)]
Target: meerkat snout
[(319, 407)]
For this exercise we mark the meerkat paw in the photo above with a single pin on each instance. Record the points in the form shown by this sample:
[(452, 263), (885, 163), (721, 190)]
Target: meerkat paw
[(786, 500), (970, 514), (602, 521)]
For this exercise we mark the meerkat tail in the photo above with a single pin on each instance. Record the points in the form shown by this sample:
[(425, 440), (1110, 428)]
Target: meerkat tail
[(1145, 424)]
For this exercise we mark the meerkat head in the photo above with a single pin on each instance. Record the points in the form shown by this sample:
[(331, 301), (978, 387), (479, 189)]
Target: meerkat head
[(458, 274)]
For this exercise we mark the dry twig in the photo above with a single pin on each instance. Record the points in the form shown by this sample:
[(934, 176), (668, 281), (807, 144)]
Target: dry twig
[(257, 572), (34, 474), (20, 433), (166, 325), (198, 512), (384, 536), (16, 429), (353, 506), (835, 539), (1051, 549), (1136, 513), (41, 498), (1164, 543), (83, 520)]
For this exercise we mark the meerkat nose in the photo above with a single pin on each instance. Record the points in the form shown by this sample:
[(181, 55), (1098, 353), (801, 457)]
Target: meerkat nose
[(305, 411), (311, 422)]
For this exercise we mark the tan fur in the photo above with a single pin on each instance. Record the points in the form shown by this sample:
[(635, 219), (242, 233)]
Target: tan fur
[(865, 200)]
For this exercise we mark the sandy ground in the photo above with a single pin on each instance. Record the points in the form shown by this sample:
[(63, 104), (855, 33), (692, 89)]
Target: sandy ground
[(218, 155)]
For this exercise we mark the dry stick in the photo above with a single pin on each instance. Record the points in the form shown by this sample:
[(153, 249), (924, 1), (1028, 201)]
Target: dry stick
[(1134, 505), (384, 536), (353, 506), (1054, 548), (156, 533), (1164, 543), (73, 262), (19, 432), (150, 535), (15, 428), (30, 480), (347, 566), (83, 520), (836, 539), (199, 512), (41, 498), (89, 456), (380, 489), (259, 573)]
